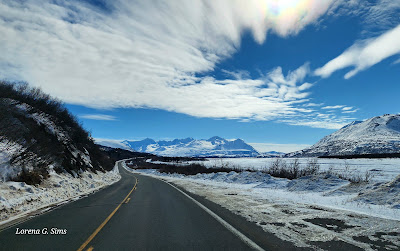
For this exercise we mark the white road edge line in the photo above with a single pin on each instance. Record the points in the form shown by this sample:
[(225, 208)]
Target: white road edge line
[(228, 226)]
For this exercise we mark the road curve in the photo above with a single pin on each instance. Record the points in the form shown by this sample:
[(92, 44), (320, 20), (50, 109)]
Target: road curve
[(136, 213)]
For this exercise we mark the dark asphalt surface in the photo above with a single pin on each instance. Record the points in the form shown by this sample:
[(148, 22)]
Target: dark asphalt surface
[(157, 217)]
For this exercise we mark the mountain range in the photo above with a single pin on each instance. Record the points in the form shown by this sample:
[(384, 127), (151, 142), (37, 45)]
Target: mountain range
[(212, 147), (377, 135)]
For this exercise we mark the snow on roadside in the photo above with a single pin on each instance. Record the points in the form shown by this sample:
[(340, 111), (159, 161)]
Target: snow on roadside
[(302, 210), (18, 199)]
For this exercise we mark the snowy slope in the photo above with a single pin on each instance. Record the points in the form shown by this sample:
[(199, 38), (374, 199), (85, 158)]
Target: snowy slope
[(373, 136), (11, 149), (215, 146), (37, 132)]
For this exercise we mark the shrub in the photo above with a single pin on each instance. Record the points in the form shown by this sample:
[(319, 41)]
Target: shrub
[(31, 177), (280, 169), (186, 169)]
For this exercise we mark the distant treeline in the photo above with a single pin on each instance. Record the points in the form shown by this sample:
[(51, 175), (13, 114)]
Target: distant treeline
[(363, 156), (118, 154)]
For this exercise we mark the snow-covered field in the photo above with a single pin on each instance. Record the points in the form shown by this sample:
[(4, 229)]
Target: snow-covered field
[(319, 208), (382, 170), (18, 199)]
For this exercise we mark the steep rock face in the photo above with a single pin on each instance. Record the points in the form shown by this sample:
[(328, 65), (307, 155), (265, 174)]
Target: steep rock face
[(215, 146), (377, 135)]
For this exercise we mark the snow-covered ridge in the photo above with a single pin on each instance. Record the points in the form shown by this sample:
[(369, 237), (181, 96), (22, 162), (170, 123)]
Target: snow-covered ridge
[(37, 131), (46, 157), (215, 146), (47, 125), (377, 135)]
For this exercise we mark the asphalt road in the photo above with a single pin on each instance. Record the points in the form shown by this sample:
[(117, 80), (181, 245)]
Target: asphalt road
[(136, 213)]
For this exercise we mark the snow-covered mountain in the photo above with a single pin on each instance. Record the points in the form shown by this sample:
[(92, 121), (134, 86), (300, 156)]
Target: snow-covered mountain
[(377, 135), (215, 146)]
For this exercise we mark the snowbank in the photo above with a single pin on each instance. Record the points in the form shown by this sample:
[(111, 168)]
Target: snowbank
[(383, 194), (18, 199)]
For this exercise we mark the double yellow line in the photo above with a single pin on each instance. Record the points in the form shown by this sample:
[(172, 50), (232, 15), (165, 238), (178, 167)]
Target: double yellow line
[(106, 220)]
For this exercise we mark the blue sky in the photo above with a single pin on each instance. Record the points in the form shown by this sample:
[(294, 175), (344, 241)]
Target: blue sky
[(282, 74)]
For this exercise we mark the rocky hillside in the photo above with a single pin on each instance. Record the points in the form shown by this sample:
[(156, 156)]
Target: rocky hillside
[(38, 133), (377, 135)]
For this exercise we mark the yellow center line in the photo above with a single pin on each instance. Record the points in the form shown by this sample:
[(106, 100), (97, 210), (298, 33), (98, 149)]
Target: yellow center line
[(127, 200), (89, 249), (105, 221)]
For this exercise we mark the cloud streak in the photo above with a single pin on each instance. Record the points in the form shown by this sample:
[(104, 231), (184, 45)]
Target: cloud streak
[(364, 54), (98, 117), (150, 54)]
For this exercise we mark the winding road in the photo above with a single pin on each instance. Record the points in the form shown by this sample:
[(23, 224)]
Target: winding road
[(137, 213)]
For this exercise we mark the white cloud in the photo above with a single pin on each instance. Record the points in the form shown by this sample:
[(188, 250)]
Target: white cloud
[(332, 107), (351, 111), (333, 119), (364, 54), (149, 53), (97, 117), (285, 148), (312, 105), (332, 124), (347, 108), (382, 14), (376, 16)]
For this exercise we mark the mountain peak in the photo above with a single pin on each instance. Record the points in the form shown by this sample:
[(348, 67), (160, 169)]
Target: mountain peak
[(214, 138), (377, 135)]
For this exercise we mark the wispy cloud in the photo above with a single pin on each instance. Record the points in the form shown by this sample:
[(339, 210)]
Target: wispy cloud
[(149, 54), (351, 111), (316, 122), (332, 107), (347, 108), (376, 16), (364, 54), (98, 117), (382, 14), (312, 105)]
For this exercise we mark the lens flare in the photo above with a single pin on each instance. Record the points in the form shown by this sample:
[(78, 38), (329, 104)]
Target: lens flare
[(278, 8), (286, 15)]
